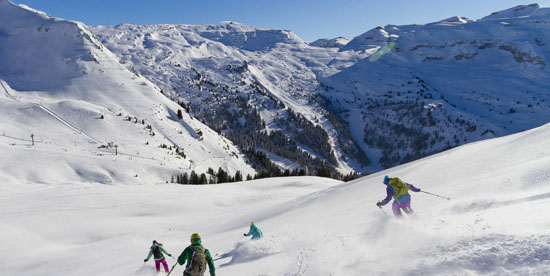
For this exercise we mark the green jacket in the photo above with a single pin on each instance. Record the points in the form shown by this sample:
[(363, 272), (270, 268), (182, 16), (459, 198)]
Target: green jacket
[(188, 253)]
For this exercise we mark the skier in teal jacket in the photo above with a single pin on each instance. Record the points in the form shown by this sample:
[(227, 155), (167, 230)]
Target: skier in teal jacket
[(156, 251), (254, 231)]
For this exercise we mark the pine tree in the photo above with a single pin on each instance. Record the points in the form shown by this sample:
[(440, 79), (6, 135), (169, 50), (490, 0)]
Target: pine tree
[(238, 176), (203, 179), (194, 178), (222, 176), (185, 178)]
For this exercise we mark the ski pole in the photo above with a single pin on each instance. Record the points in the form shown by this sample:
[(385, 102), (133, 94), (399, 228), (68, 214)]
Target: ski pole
[(380, 207), (172, 269), (447, 198)]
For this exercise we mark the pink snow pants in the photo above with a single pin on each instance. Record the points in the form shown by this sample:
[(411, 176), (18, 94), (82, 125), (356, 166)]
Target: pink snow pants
[(163, 262)]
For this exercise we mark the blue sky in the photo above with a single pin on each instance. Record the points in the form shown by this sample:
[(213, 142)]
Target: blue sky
[(309, 19)]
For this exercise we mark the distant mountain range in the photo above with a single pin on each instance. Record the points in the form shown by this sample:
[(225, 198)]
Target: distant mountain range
[(389, 96)]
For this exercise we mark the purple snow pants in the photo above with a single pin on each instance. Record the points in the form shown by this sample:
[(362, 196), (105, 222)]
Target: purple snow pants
[(405, 205), (164, 264)]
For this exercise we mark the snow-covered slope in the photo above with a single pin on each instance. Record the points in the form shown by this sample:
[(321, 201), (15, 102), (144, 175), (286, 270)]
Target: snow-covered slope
[(429, 87), (495, 223), (60, 85)]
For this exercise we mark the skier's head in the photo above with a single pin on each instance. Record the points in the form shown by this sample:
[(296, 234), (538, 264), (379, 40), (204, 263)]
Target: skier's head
[(252, 223), (155, 242), (386, 179), (195, 238)]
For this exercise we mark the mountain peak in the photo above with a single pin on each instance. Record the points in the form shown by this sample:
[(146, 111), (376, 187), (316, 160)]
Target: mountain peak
[(331, 43), (455, 20), (518, 11)]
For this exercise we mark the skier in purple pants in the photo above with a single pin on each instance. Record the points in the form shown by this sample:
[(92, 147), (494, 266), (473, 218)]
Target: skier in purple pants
[(399, 190)]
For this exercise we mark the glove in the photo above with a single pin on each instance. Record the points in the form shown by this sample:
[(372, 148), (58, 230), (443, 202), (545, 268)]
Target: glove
[(145, 260), (419, 190), (244, 235), (378, 204), (170, 255)]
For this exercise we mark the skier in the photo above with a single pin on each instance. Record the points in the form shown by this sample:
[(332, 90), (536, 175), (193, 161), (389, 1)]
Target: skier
[(254, 231), (400, 192), (156, 251), (197, 257)]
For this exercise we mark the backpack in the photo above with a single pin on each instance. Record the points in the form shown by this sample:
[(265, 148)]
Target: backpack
[(198, 262), (156, 252), (399, 187)]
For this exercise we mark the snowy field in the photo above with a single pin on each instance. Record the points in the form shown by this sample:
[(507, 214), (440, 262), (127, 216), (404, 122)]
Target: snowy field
[(496, 222)]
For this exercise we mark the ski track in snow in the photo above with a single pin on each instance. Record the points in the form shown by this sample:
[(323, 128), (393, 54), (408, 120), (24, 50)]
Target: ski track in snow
[(51, 113), (7, 92), (66, 123)]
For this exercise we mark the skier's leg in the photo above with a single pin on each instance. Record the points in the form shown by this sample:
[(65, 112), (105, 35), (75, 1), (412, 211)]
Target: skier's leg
[(165, 265), (157, 265), (396, 209), (407, 207)]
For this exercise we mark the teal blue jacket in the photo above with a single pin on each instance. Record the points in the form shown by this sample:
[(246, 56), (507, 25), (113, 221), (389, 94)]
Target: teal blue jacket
[(255, 232), (187, 254), (161, 250)]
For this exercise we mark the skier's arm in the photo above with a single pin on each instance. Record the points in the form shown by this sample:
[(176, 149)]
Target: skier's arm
[(249, 232), (149, 255), (164, 251), (210, 262), (413, 188), (183, 257), (389, 194)]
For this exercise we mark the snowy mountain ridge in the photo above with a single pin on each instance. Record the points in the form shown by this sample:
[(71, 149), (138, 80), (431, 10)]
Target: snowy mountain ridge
[(431, 87)]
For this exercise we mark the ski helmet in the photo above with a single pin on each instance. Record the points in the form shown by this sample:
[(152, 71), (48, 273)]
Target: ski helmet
[(386, 179), (195, 236), (252, 223), (155, 242)]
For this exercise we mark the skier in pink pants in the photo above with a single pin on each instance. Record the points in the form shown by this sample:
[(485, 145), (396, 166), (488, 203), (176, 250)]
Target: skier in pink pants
[(156, 251)]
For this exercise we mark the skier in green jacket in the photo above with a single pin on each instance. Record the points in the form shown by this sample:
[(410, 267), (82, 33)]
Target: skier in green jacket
[(197, 257)]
